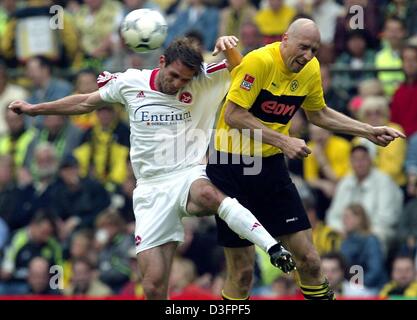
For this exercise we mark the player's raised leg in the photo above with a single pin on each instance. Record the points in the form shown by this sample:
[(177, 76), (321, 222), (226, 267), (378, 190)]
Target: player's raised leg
[(204, 198), (155, 266)]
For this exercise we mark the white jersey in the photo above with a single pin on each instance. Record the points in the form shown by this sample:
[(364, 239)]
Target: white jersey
[(167, 132)]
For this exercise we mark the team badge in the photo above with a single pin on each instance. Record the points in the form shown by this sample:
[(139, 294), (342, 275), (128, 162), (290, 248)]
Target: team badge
[(186, 97), (294, 85), (247, 82)]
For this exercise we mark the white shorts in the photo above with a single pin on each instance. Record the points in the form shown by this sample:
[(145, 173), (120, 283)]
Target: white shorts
[(160, 204)]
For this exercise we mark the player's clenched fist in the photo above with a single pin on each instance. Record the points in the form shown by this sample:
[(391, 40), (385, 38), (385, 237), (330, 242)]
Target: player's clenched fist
[(20, 107)]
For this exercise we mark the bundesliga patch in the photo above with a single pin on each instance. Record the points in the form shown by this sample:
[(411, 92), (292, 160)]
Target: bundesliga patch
[(247, 82)]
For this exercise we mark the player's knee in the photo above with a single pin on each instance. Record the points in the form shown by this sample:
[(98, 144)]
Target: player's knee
[(242, 278), (310, 264), (153, 289), (209, 197)]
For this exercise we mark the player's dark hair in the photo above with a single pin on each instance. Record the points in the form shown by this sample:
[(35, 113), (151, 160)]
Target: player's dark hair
[(186, 51)]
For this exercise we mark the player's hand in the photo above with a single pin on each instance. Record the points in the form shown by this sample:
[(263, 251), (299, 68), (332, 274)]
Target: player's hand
[(382, 136), (20, 106), (224, 43), (295, 148)]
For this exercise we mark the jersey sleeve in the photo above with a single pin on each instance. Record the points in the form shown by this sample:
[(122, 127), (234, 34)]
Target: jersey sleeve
[(218, 73), (315, 99), (248, 79), (109, 87)]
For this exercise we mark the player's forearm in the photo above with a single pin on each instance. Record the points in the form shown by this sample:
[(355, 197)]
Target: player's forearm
[(332, 120), (75, 104), (233, 57), (239, 118)]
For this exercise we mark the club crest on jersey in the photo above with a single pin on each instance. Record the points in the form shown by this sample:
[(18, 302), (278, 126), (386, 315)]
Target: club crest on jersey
[(294, 85), (186, 97), (247, 82)]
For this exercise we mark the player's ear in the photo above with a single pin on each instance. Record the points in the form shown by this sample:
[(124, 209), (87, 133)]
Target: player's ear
[(162, 61), (285, 38)]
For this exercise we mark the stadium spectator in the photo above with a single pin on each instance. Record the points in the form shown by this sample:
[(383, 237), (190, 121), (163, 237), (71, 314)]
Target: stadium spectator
[(366, 88), (406, 10), (38, 184), (335, 268), (10, 195), (77, 201), (80, 247), (17, 141), (130, 5), (27, 243), (196, 16), (337, 98), (104, 149), (351, 62), (234, 15), (34, 30), (4, 235), (374, 190), (403, 279), (328, 163), (134, 286), (8, 92), (390, 160), (61, 133), (325, 238), (45, 87), (411, 165), (97, 23), (348, 21), (325, 14), (265, 19), (113, 245), (84, 280), (406, 235), (39, 278), (389, 56), (404, 104), (85, 82), (250, 37), (361, 247)]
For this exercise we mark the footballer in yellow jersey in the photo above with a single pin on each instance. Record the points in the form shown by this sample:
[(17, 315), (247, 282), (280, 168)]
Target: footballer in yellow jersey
[(272, 93), (268, 87)]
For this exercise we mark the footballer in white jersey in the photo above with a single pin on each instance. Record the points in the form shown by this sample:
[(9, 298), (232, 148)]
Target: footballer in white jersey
[(171, 111), (168, 132)]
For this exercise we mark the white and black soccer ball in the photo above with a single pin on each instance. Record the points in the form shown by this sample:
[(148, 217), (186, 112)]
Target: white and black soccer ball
[(144, 29)]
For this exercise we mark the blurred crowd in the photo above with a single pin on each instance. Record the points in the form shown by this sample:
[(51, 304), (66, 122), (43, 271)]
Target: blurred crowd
[(66, 184)]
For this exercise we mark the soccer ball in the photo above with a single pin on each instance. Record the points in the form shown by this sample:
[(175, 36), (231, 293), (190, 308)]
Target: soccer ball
[(144, 30)]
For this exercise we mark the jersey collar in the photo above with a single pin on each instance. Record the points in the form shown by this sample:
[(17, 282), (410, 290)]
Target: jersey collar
[(152, 79)]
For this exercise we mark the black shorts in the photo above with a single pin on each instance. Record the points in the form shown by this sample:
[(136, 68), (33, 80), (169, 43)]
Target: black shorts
[(270, 196)]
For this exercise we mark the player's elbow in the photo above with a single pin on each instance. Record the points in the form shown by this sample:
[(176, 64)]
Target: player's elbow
[(231, 117)]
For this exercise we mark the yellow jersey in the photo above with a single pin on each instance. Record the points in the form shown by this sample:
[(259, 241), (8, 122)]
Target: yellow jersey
[(264, 86)]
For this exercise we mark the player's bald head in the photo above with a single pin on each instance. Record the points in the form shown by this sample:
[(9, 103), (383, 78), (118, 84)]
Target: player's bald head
[(300, 44), (304, 27)]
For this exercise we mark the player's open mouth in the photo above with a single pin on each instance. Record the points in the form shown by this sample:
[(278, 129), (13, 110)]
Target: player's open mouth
[(300, 63)]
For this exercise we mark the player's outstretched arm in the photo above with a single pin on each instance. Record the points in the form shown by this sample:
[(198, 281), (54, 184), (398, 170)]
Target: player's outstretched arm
[(75, 104), (330, 119), (227, 45)]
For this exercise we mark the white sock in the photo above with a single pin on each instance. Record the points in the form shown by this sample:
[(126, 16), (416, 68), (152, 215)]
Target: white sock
[(244, 223)]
